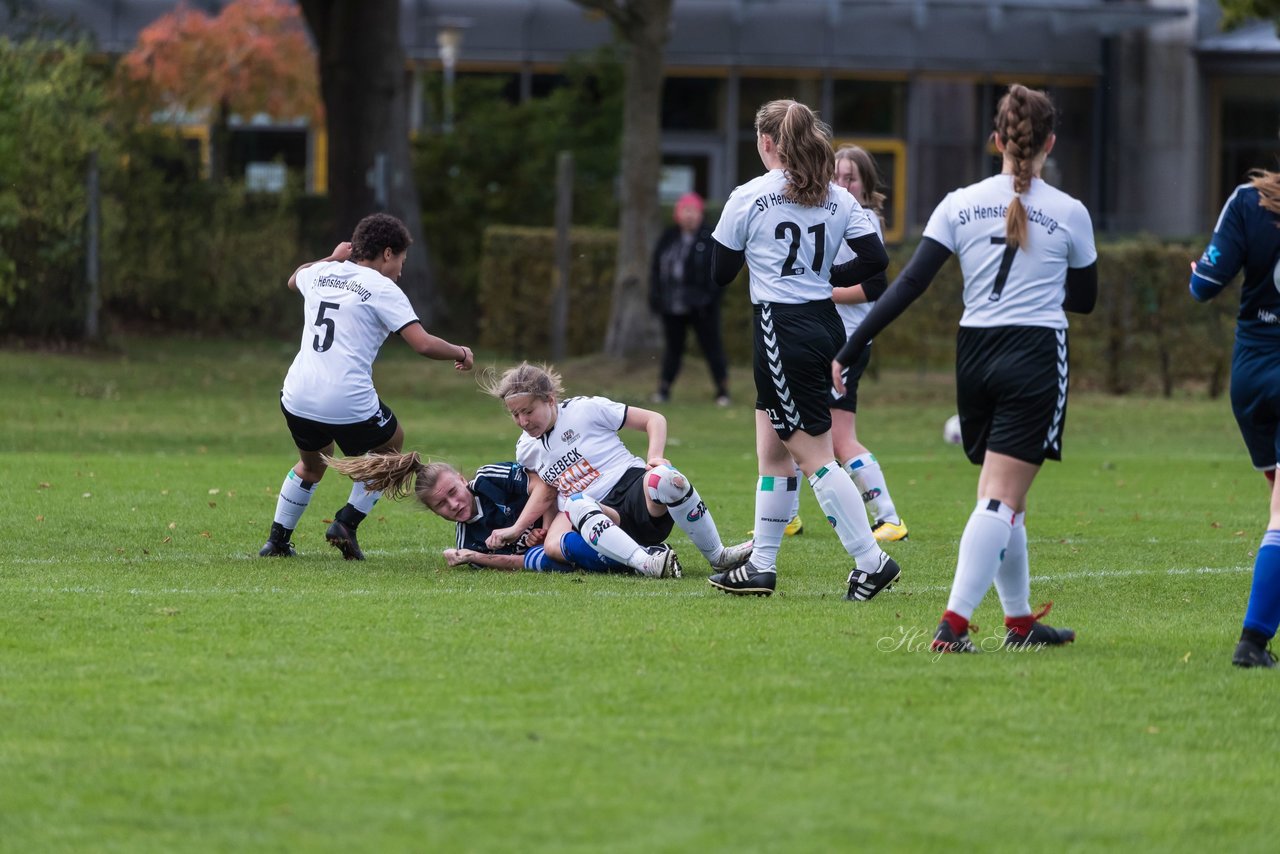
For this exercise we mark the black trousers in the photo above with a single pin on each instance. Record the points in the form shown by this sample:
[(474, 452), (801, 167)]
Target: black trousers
[(706, 326)]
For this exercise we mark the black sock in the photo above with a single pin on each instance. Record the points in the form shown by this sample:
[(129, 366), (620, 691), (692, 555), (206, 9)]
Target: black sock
[(350, 516)]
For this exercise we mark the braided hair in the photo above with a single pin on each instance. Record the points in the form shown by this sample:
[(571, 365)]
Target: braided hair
[(1024, 123)]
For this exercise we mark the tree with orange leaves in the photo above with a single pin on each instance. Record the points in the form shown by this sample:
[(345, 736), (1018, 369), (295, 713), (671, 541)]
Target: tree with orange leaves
[(253, 57)]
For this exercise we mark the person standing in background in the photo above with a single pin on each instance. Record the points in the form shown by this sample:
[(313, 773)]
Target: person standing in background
[(682, 294)]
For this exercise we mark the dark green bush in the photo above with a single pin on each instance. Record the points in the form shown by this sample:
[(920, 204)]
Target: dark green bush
[(1145, 334)]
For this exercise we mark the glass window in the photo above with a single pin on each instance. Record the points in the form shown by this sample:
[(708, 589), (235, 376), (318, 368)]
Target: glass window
[(755, 92), (691, 103), (868, 107)]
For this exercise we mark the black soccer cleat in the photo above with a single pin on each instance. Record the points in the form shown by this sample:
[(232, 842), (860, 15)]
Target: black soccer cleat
[(343, 538), (1252, 654), (746, 581), (277, 548), (1039, 634), (865, 585), (945, 639), (278, 544)]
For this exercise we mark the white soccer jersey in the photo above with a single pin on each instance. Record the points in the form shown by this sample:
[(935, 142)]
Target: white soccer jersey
[(852, 315), (789, 247), (581, 452), (1023, 288), (349, 311)]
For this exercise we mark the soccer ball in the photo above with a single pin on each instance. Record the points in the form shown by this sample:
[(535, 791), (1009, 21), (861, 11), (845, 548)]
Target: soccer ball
[(951, 431)]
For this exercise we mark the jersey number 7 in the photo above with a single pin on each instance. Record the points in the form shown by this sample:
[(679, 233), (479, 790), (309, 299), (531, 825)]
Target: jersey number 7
[(1006, 262)]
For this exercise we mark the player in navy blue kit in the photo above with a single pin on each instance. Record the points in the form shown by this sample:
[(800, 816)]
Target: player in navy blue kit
[(351, 306), (1027, 253), (787, 227), (1247, 237), (493, 500)]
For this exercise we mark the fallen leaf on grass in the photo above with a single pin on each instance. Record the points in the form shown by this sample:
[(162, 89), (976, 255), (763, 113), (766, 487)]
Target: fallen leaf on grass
[(206, 535), (39, 518), (167, 540), (214, 491), (45, 485)]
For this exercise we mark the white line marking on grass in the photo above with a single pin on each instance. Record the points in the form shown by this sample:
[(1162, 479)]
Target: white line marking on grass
[(642, 590)]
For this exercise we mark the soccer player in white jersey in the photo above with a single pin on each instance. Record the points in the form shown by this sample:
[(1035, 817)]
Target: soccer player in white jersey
[(1027, 255), (787, 226), (351, 305), (622, 505)]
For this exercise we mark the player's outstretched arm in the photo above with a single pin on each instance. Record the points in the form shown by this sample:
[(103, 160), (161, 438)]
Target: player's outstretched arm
[(457, 557), (434, 347)]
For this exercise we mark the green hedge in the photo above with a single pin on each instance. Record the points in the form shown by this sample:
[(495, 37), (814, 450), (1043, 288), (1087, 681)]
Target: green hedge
[(1145, 334)]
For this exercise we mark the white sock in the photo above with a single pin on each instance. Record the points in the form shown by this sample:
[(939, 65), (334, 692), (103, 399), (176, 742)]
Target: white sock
[(871, 483), (1013, 578), (839, 499), (611, 541), (983, 544), (693, 517), (362, 499), (795, 505), (295, 495), (775, 496)]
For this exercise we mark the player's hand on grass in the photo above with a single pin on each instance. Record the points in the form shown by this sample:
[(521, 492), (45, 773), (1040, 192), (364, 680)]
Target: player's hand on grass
[(457, 557)]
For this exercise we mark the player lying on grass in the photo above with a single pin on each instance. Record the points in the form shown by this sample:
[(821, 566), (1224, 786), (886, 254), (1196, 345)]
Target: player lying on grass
[(495, 498), (622, 505)]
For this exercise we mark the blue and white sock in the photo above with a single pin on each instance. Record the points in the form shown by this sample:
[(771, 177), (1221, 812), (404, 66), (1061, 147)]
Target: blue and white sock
[(1263, 613), (577, 552), (537, 559)]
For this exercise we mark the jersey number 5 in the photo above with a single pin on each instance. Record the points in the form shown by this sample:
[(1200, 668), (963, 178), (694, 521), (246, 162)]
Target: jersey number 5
[(789, 230), (322, 344), (1006, 262)]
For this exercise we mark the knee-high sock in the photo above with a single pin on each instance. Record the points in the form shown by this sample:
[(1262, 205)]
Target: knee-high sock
[(871, 483), (577, 552), (672, 490), (839, 499), (795, 504), (985, 538), (295, 495), (604, 536), (537, 559), (1263, 612), (358, 505), (774, 499), (1013, 578)]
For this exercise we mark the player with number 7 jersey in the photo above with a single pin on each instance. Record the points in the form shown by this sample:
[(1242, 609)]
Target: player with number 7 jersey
[(1027, 255), (351, 304)]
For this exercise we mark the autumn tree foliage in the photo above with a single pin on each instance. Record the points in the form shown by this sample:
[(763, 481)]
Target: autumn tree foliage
[(252, 57)]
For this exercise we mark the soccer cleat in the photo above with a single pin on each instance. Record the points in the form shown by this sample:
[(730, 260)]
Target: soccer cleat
[(277, 548), (661, 563), (945, 639), (889, 532), (1038, 634), (732, 557), (865, 585), (723, 400), (746, 580), (1251, 654), (794, 528), (343, 538)]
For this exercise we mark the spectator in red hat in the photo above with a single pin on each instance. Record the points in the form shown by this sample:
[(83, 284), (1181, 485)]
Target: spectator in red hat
[(682, 293)]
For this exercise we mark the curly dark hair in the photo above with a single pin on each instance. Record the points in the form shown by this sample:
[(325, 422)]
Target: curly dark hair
[(377, 232)]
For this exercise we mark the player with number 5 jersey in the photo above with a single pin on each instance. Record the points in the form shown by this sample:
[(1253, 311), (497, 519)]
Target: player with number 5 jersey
[(351, 303), (787, 226), (1027, 256)]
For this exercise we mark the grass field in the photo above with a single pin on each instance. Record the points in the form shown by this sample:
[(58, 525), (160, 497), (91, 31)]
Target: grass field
[(163, 689)]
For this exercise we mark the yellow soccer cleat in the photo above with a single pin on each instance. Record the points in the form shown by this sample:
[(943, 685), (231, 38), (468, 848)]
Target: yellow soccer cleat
[(794, 528), (889, 532)]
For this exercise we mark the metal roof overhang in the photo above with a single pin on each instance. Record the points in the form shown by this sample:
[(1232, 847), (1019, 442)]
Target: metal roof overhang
[(1251, 50)]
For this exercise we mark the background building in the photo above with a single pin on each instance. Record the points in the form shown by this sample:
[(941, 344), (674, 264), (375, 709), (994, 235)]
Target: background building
[(1161, 113)]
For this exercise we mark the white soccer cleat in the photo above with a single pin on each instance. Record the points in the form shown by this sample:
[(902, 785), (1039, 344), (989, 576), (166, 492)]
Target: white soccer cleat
[(661, 563), (732, 557)]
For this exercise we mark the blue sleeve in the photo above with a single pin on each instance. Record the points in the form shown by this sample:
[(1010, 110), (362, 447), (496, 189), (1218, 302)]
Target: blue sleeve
[(1224, 256)]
